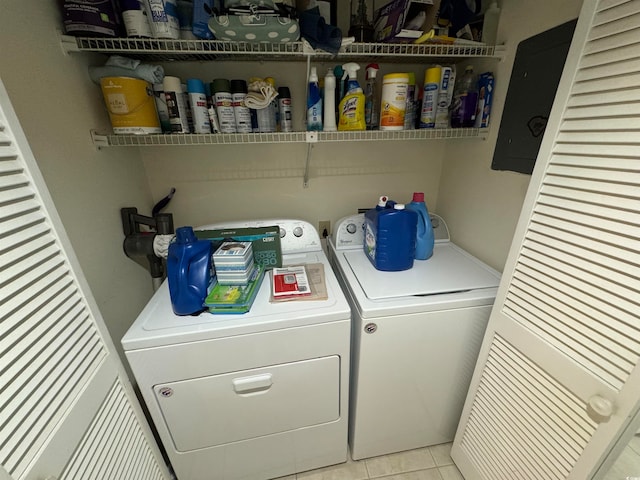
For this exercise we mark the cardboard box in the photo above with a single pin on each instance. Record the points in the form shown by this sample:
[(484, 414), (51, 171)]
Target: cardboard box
[(265, 242), (486, 84), (391, 21)]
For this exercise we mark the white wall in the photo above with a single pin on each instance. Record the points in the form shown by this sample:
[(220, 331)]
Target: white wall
[(57, 105), (482, 206), (241, 182)]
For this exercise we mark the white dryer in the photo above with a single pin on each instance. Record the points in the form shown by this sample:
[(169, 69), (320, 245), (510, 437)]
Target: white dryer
[(252, 396), (416, 335)]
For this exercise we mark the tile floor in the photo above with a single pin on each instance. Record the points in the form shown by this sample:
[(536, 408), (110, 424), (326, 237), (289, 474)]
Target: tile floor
[(435, 463), (627, 465), (429, 463)]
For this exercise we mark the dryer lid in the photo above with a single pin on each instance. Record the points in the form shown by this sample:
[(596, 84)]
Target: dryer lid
[(449, 270)]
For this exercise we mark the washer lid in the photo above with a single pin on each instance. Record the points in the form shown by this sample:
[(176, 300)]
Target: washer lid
[(449, 270)]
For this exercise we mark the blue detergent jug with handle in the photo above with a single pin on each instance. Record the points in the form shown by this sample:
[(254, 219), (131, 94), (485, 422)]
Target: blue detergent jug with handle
[(424, 233), (390, 236), (188, 272)]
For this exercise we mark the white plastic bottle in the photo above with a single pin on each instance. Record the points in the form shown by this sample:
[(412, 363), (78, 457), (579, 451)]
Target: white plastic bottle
[(329, 102), (163, 18), (490, 24)]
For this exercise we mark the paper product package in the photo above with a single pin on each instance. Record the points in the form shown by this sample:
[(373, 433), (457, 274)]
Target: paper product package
[(404, 20)]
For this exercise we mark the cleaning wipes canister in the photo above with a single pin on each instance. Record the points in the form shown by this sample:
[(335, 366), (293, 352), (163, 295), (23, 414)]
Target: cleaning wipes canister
[(394, 101)]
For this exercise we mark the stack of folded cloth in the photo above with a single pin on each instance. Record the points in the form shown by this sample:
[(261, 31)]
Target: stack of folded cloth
[(117, 66)]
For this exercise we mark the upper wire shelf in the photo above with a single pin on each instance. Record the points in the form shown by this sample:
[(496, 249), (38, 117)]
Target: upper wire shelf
[(112, 140), (166, 50)]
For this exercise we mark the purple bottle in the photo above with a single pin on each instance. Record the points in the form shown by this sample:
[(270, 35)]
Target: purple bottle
[(465, 101)]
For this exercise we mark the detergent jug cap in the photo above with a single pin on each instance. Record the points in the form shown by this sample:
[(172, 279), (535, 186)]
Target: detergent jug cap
[(185, 235), (418, 196), (398, 206), (382, 202)]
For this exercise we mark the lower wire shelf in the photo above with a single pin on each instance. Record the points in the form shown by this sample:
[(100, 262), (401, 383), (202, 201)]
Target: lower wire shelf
[(111, 140)]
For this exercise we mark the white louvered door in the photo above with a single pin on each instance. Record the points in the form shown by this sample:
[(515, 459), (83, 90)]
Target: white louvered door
[(66, 408), (557, 378)]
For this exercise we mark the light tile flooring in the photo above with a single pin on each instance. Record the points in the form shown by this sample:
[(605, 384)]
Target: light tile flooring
[(429, 463), (435, 463), (628, 463)]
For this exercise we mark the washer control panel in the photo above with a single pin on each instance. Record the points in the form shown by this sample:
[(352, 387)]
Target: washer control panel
[(349, 233), (296, 236)]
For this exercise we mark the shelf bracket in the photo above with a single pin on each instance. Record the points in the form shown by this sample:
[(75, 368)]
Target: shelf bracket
[(500, 52), (99, 140), (68, 44), (305, 179)]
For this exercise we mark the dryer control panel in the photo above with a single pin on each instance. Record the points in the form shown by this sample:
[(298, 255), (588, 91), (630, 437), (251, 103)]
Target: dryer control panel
[(296, 236)]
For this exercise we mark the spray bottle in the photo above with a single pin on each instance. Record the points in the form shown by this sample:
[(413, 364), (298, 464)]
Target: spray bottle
[(371, 105), (351, 108), (314, 102)]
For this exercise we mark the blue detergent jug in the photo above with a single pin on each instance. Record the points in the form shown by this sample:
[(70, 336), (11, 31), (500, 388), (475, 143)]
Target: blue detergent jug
[(424, 234), (390, 237), (188, 272)]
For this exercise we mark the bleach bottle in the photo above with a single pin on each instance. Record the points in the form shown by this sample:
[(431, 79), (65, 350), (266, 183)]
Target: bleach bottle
[(390, 236), (188, 272), (424, 232)]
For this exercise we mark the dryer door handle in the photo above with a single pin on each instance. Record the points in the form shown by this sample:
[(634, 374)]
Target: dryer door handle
[(253, 384)]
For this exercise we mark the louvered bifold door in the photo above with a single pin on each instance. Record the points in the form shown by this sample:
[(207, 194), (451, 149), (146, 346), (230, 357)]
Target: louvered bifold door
[(58, 370), (557, 378)]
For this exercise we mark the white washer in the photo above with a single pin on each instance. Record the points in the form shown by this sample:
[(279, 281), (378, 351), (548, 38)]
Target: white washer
[(416, 335), (252, 396)]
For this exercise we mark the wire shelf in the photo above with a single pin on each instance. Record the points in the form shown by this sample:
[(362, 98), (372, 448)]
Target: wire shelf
[(112, 140), (166, 50)]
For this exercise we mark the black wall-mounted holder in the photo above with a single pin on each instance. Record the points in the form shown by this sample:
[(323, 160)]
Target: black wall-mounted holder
[(138, 245)]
